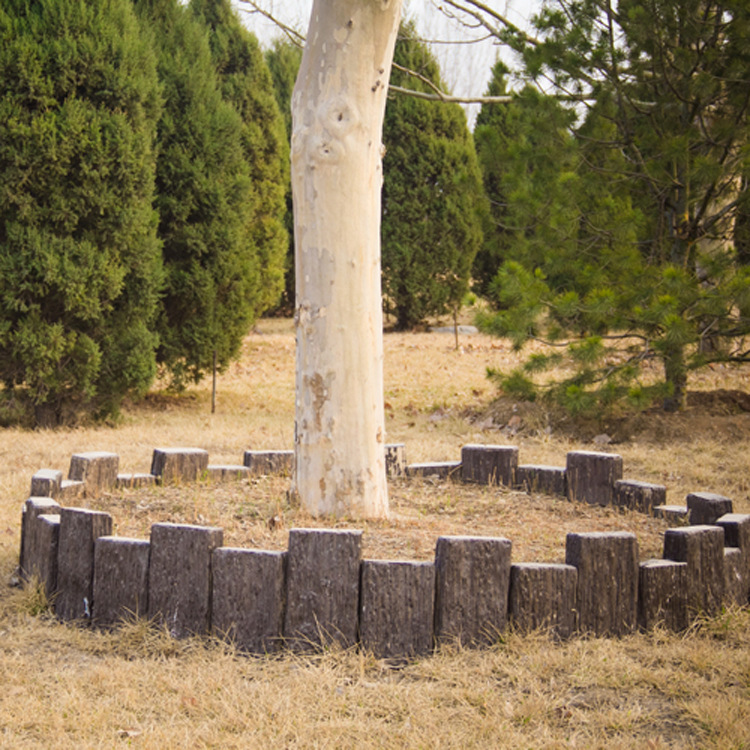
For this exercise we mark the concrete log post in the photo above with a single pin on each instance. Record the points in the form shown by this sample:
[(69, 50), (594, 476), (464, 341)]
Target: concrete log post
[(120, 579), (249, 588), (396, 611), (543, 596), (178, 465), (662, 595), (489, 464), (179, 585), (706, 507), (592, 476), (322, 588), (472, 581), (79, 530), (97, 470), (607, 598), (702, 548)]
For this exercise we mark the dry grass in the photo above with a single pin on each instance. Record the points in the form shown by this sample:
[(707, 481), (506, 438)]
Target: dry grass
[(68, 687)]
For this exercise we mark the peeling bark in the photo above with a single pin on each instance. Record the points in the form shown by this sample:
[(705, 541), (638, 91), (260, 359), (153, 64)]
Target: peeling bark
[(337, 108)]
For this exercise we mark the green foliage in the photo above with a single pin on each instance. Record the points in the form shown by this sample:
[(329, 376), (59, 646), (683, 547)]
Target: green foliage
[(432, 195), (283, 60), (206, 198), (246, 83), (645, 269), (80, 269)]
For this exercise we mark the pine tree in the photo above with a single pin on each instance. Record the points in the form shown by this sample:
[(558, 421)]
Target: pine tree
[(80, 267), (432, 195), (204, 195), (665, 147)]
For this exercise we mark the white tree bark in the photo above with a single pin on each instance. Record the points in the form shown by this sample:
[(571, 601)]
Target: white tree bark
[(337, 107)]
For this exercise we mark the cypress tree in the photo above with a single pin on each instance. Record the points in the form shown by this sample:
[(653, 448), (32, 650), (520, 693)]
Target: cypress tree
[(432, 195), (246, 84), (283, 60), (80, 266), (205, 201)]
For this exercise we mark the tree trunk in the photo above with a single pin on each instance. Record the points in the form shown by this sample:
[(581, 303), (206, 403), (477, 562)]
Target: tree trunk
[(675, 375), (337, 108)]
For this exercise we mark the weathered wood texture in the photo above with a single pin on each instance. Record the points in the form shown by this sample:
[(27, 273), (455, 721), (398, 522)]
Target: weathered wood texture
[(543, 595), (737, 534), (674, 514), (735, 582), (132, 481), (44, 544), (548, 480), (179, 589), (592, 476), (79, 530), (269, 462), (120, 579), (46, 483), (607, 597), (702, 548), (707, 507), (322, 587), (396, 612), (249, 588), (489, 464), (97, 470), (226, 472), (662, 595), (70, 490), (395, 460), (32, 509), (641, 496), (435, 469), (177, 465), (471, 582)]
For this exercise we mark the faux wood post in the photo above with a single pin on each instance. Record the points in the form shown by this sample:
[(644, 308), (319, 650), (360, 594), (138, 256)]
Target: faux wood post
[(737, 534), (707, 507), (32, 509), (322, 587), (471, 588), (249, 588), (269, 462), (179, 587), (702, 548), (607, 597), (641, 496), (79, 530), (543, 595), (592, 476), (489, 464), (662, 595), (177, 465), (120, 579), (97, 470), (549, 480), (396, 611), (44, 537), (46, 483)]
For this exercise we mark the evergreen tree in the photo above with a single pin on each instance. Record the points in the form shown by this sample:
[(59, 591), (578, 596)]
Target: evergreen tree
[(432, 195), (247, 85), (80, 266), (204, 199), (283, 61), (670, 86), (529, 163)]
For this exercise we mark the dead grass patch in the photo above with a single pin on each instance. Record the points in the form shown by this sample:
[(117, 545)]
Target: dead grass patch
[(64, 686)]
